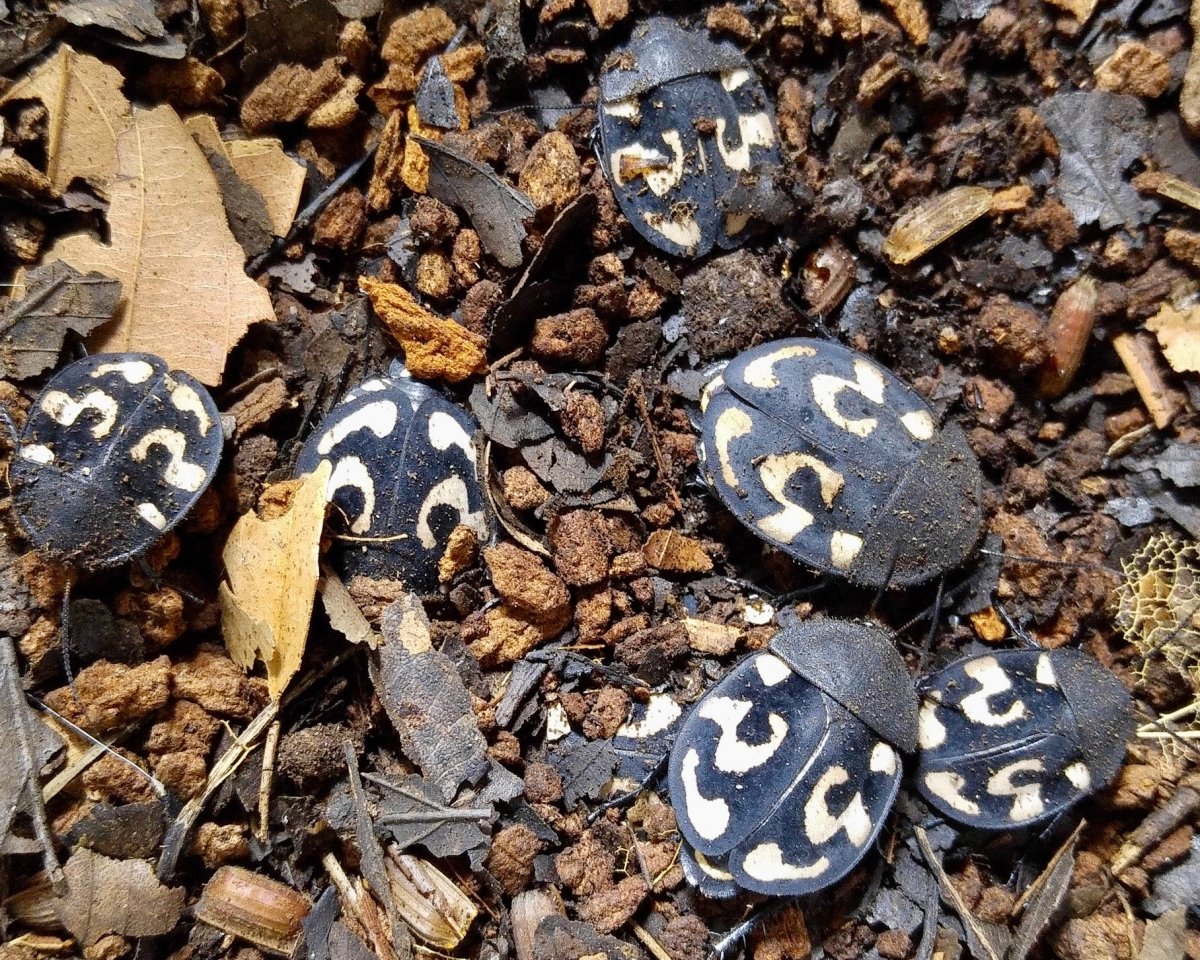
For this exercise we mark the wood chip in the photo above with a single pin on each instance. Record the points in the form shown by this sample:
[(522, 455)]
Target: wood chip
[(913, 19), (1141, 361), (1081, 10), (1189, 95), (435, 348), (712, 639), (677, 553), (934, 221)]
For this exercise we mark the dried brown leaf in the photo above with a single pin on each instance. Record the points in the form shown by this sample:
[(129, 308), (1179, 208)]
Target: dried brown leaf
[(280, 179), (435, 348), (272, 567), (344, 615), (187, 297), (87, 113), (115, 896), (57, 298)]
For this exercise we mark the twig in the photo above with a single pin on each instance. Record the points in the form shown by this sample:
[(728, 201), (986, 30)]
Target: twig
[(1184, 803), (639, 397), (270, 747), (655, 948)]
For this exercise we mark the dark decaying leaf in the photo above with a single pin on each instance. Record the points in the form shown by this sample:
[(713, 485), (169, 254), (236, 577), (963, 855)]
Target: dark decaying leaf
[(318, 925), (496, 210), (561, 939), (1100, 135), (371, 862), (57, 298), (1176, 887), (289, 31), (548, 280), (129, 831), (26, 744), (585, 768), (115, 896), (555, 462), (522, 681), (412, 812), (134, 19), (505, 419), (1044, 901), (987, 941), (1166, 937), (436, 105), (426, 701), (1178, 464)]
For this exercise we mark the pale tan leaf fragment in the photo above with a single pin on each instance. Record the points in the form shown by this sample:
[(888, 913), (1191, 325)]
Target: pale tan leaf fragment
[(87, 113), (1178, 333), (435, 348), (115, 896), (187, 297), (272, 569), (280, 179), (344, 615), (711, 639), (1189, 95), (935, 220)]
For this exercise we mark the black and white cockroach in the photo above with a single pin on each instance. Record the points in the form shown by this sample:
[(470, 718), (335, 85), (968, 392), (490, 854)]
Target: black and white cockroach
[(1013, 738), (782, 775), (404, 475), (688, 140), (828, 456), (113, 454)]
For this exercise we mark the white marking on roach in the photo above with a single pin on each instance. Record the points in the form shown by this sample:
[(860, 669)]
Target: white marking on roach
[(186, 399), (709, 818), (661, 712), (734, 755), (760, 372), (992, 680), (1044, 672), (446, 432), (819, 822), (771, 670), (1027, 797), (178, 472), (680, 228), (883, 759), (918, 423), (152, 515), (352, 472), (844, 547), (379, 417), (451, 492), (37, 452), (775, 471), (731, 424), (869, 383), (948, 785), (765, 862), (710, 868), (754, 130), (1079, 775), (65, 410), (931, 732), (732, 79), (662, 173), (710, 388), (134, 371), (627, 109)]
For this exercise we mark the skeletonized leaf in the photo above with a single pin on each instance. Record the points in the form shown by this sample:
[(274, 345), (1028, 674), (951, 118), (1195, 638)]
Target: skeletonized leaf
[(115, 896), (412, 812), (426, 701), (86, 113), (272, 570), (27, 745), (187, 297), (57, 298)]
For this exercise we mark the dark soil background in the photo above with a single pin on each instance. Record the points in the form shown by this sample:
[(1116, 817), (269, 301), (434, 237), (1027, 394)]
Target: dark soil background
[(1056, 327)]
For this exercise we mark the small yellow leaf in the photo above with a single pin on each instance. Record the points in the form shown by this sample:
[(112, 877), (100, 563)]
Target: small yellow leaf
[(272, 568)]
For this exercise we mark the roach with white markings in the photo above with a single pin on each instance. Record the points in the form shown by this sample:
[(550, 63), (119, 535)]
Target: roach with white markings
[(114, 453), (404, 475), (784, 772), (828, 456), (688, 140), (1015, 737)]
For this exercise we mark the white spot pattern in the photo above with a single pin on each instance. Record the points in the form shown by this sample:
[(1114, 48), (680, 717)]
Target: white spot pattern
[(734, 755), (178, 472), (65, 410), (709, 818), (987, 672), (352, 472), (819, 822), (379, 417), (765, 862)]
